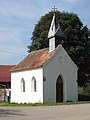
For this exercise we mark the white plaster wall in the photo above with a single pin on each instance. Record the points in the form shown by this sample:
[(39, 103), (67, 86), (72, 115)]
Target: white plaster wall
[(60, 64), (28, 96), (51, 44)]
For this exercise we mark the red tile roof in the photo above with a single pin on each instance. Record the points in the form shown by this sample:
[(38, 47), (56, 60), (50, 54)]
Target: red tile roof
[(35, 59), (5, 74)]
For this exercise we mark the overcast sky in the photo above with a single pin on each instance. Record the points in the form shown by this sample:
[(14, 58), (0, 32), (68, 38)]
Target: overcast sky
[(18, 19)]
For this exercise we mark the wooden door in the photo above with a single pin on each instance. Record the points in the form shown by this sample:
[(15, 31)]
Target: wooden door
[(59, 90)]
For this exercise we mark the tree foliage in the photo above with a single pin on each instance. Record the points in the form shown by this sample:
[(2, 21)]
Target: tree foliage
[(75, 40)]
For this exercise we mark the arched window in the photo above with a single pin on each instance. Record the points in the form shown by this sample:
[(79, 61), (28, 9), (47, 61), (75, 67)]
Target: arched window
[(33, 85), (22, 85)]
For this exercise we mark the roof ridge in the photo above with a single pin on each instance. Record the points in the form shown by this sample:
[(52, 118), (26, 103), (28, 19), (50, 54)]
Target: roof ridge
[(38, 50)]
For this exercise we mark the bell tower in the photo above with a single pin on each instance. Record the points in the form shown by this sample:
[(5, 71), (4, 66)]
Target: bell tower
[(54, 34)]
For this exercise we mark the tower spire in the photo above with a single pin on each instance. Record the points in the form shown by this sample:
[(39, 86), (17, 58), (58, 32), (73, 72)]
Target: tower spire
[(54, 34)]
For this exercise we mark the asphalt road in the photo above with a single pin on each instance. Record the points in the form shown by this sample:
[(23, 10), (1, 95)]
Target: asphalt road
[(63, 112)]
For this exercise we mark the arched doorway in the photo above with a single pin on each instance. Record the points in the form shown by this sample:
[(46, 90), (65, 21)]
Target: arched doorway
[(59, 89)]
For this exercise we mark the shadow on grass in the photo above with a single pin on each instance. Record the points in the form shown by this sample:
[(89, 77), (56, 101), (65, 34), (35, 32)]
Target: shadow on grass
[(7, 113)]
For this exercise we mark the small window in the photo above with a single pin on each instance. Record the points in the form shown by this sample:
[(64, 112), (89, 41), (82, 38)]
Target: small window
[(33, 85), (22, 85)]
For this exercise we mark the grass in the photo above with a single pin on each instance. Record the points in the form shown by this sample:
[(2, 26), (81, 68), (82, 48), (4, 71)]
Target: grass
[(45, 104)]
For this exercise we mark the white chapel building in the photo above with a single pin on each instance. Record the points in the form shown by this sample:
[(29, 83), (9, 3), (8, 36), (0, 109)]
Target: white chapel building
[(45, 75)]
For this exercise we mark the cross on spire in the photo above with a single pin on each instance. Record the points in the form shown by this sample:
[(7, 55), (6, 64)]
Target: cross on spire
[(54, 9)]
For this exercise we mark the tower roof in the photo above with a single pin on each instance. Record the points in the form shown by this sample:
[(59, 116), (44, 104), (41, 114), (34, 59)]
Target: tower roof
[(55, 29)]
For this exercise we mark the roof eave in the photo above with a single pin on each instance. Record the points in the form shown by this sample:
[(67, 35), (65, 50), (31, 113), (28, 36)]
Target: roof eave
[(33, 68)]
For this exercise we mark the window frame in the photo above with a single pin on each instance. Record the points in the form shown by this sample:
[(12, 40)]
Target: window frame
[(22, 85), (33, 85)]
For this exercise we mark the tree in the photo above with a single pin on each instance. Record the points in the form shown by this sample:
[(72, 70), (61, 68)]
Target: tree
[(75, 40)]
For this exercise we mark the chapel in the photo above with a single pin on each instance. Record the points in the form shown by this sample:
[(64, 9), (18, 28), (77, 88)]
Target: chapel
[(46, 75)]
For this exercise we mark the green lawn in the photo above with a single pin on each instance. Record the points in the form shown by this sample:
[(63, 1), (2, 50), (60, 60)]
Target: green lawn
[(45, 104)]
